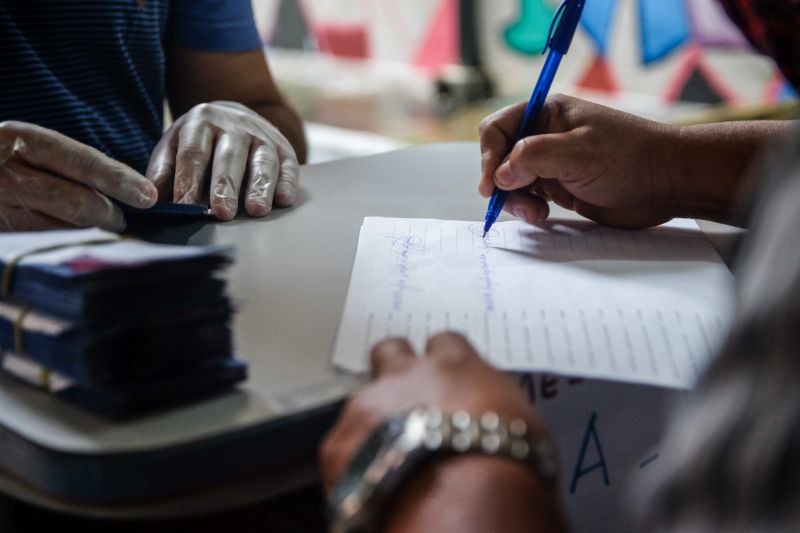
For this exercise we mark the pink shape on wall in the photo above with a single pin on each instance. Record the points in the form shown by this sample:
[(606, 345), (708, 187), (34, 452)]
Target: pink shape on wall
[(343, 40), (440, 45)]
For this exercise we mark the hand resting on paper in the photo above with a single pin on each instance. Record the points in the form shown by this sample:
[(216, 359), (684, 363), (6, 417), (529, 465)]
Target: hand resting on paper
[(616, 168), (49, 181), (220, 152), (464, 493)]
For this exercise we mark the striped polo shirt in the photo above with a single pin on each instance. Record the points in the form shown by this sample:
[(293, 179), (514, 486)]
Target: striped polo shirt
[(94, 69)]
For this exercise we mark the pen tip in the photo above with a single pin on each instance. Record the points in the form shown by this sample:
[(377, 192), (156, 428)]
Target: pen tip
[(484, 234)]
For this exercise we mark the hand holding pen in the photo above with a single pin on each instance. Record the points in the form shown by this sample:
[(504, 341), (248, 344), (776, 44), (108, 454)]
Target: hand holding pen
[(565, 23), (609, 166)]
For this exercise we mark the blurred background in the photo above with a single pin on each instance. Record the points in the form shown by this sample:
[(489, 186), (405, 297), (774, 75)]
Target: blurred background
[(373, 75)]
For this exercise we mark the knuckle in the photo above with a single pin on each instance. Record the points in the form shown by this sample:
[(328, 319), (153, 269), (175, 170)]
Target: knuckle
[(193, 152), (265, 158), (8, 127), (523, 145), (524, 154), (263, 149), (203, 110), (225, 157), (85, 163), (14, 145), (485, 124), (564, 108), (224, 180)]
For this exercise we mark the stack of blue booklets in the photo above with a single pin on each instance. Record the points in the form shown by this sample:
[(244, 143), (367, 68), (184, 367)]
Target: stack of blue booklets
[(118, 326)]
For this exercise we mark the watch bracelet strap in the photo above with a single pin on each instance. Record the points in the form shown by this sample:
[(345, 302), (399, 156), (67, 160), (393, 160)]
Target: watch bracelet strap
[(463, 433), (492, 435)]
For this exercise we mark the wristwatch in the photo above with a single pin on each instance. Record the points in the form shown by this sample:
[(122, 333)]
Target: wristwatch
[(403, 442)]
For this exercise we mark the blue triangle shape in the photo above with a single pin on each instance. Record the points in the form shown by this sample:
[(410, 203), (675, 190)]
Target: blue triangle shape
[(787, 93), (664, 26), (596, 20)]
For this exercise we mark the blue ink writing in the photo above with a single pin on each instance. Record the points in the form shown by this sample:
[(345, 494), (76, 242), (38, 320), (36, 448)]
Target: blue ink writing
[(401, 248), (487, 280)]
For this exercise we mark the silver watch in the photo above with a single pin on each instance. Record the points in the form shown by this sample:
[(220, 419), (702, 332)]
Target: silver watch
[(396, 447)]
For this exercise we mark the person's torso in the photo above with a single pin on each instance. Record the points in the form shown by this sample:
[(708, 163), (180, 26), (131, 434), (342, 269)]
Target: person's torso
[(92, 70)]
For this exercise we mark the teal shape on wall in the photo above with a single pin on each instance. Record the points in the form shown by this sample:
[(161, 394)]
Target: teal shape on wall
[(528, 34)]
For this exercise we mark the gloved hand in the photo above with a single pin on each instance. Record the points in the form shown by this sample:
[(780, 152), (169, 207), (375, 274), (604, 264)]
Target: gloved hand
[(220, 152), (48, 181)]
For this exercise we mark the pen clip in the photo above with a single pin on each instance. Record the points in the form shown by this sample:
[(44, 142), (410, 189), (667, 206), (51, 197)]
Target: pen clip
[(553, 24)]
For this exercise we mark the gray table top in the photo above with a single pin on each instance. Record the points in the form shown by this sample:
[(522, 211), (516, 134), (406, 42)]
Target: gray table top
[(289, 283)]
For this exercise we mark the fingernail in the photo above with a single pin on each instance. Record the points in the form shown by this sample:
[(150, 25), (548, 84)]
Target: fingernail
[(149, 197), (229, 206), (504, 175), (258, 207)]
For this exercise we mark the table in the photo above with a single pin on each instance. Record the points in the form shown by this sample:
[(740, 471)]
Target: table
[(289, 284)]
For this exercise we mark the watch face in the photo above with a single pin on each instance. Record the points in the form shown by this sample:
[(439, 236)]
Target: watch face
[(381, 437)]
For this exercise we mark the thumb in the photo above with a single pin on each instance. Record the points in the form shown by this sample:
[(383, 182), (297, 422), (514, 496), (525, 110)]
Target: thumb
[(540, 156)]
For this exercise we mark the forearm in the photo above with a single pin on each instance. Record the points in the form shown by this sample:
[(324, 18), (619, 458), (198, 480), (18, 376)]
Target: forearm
[(708, 167), (476, 494)]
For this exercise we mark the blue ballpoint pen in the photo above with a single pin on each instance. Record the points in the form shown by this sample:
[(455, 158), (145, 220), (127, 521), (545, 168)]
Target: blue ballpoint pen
[(558, 44)]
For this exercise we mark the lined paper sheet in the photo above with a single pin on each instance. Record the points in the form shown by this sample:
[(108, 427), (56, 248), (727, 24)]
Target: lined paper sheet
[(568, 297)]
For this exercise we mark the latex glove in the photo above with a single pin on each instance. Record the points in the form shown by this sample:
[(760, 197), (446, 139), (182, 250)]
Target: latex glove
[(48, 181), (467, 493), (606, 165), (221, 152)]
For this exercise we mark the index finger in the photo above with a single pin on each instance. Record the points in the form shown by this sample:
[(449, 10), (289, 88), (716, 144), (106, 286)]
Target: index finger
[(56, 153), (497, 135)]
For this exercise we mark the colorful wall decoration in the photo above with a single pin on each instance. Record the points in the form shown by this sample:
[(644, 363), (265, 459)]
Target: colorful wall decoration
[(684, 50), (423, 33)]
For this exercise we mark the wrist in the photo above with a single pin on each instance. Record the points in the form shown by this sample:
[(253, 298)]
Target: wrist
[(707, 166), (475, 493), (692, 193)]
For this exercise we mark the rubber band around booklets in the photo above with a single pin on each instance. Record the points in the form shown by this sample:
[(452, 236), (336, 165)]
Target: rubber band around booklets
[(44, 372), (8, 272), (6, 286)]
